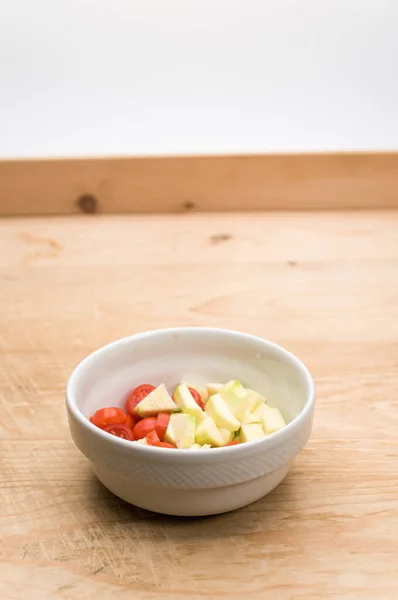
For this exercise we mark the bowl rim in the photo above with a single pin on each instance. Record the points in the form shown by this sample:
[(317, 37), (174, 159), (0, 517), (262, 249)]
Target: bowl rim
[(167, 453)]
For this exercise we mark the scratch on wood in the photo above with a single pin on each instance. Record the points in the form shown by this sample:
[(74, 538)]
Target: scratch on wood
[(50, 248), (64, 588), (28, 238), (219, 238)]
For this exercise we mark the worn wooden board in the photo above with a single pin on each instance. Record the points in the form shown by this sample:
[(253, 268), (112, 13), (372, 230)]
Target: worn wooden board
[(325, 285), (200, 183)]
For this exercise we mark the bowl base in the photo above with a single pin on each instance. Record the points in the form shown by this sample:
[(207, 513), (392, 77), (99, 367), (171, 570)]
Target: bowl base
[(189, 502)]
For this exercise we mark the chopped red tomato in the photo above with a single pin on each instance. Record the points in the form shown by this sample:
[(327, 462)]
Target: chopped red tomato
[(233, 443), (130, 422), (163, 445), (152, 438), (162, 422), (196, 396), (138, 394), (144, 427), (108, 416), (120, 430)]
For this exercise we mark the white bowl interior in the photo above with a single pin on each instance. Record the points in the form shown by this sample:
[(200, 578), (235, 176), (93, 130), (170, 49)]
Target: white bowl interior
[(106, 377)]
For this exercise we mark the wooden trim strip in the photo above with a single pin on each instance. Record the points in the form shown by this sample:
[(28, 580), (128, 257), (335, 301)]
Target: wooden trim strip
[(203, 183)]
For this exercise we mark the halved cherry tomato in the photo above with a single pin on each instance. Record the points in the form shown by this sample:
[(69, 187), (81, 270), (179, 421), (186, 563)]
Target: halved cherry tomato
[(152, 438), (108, 416), (120, 430), (233, 443), (144, 427), (163, 445), (130, 422), (197, 398), (138, 394), (162, 422)]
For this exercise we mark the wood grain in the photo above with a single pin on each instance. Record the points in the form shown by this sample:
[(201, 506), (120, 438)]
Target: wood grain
[(199, 183), (325, 285)]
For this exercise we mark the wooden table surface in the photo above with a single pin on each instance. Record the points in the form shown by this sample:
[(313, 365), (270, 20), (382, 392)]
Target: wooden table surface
[(325, 285)]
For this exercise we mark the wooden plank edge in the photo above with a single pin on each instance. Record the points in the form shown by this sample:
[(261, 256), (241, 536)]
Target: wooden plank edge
[(320, 181)]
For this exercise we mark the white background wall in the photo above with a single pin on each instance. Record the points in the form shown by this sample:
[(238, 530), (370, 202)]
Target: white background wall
[(94, 77)]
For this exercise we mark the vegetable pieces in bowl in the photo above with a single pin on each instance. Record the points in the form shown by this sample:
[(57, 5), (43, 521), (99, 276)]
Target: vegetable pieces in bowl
[(193, 418)]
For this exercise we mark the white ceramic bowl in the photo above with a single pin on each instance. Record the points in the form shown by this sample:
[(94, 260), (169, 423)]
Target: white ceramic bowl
[(190, 482)]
